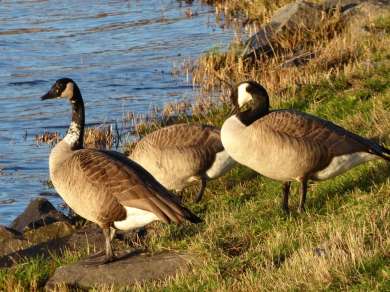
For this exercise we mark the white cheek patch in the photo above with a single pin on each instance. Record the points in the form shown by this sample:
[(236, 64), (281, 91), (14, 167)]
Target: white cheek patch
[(243, 95), (68, 92)]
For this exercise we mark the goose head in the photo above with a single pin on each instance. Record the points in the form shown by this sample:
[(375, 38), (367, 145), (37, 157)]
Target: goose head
[(252, 96), (66, 88), (63, 88)]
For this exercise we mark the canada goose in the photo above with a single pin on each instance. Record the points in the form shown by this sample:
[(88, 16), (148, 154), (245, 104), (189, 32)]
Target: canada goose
[(106, 187), (288, 145), (179, 154)]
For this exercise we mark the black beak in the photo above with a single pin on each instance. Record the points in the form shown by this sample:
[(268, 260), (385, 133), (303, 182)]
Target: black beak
[(48, 95)]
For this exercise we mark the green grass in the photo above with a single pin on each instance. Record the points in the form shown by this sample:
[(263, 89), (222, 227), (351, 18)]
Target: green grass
[(246, 242)]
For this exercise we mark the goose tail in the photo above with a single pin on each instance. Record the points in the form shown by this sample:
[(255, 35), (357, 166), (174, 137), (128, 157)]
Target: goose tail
[(384, 152), (191, 216)]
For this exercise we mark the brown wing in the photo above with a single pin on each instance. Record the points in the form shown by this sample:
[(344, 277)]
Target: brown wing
[(335, 139), (185, 135), (196, 144), (125, 183)]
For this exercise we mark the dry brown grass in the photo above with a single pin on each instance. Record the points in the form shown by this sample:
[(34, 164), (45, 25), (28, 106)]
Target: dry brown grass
[(47, 138), (255, 11), (102, 137), (338, 48)]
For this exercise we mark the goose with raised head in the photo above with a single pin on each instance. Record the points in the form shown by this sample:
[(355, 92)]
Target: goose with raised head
[(287, 145), (180, 154), (106, 187)]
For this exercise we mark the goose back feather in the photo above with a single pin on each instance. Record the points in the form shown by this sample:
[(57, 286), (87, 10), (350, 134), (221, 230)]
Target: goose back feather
[(178, 154)]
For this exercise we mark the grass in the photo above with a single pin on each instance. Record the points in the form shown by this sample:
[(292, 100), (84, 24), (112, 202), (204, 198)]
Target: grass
[(246, 243)]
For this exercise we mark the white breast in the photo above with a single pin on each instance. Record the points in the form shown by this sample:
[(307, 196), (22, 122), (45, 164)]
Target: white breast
[(223, 163), (135, 218), (231, 132), (342, 163)]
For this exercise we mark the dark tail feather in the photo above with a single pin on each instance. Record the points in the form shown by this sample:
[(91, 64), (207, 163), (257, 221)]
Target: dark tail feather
[(385, 153), (191, 216), (384, 149)]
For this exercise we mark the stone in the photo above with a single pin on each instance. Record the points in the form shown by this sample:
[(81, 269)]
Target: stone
[(295, 16), (89, 236), (342, 5), (132, 268), (10, 240), (38, 213), (42, 241), (7, 233), (52, 231), (291, 17)]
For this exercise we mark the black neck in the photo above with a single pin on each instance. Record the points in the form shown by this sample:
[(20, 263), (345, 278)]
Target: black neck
[(257, 111), (76, 129)]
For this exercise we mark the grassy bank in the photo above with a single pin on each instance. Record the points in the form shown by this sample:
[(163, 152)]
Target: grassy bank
[(342, 242)]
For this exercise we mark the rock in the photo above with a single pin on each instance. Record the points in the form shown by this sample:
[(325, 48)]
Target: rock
[(7, 233), (290, 17), (126, 271), (294, 17), (342, 5), (38, 213), (10, 240), (18, 251), (90, 236), (49, 232), (15, 247)]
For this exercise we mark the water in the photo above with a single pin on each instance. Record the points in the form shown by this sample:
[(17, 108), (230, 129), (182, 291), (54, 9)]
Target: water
[(121, 54)]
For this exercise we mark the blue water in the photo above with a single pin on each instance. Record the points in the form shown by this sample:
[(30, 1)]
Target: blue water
[(121, 54)]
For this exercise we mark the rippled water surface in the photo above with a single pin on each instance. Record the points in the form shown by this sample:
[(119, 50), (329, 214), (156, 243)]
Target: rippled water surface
[(121, 54)]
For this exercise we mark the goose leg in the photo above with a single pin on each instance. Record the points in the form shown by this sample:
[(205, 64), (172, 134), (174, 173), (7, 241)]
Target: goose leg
[(112, 233), (106, 256), (301, 208), (109, 254), (286, 192), (203, 182)]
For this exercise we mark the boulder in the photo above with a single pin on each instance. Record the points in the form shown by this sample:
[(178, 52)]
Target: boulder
[(341, 5), (38, 213), (10, 240), (54, 239), (291, 18), (52, 231), (7, 233), (132, 268)]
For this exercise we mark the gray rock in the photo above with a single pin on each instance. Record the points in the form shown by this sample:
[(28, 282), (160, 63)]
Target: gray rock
[(341, 5), (293, 17), (7, 233), (54, 239), (128, 270), (52, 231), (38, 213), (15, 247), (290, 17), (10, 240)]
